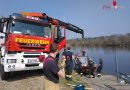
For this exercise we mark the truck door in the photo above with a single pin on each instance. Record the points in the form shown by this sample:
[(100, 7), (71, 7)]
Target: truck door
[(60, 37)]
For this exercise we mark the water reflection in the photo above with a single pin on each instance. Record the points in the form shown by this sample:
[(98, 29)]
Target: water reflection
[(108, 56)]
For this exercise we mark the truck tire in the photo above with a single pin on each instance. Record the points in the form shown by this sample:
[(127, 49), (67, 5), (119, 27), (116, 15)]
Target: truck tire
[(4, 75)]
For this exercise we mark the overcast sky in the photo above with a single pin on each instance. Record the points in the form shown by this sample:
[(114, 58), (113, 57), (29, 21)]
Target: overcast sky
[(86, 14)]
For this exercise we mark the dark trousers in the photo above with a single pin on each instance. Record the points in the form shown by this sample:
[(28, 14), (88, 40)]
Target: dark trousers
[(68, 72), (99, 69), (91, 71), (79, 69)]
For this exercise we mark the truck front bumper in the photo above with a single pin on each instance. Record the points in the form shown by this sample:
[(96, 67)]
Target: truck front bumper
[(22, 67)]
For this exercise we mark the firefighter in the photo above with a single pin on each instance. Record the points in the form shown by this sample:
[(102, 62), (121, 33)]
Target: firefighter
[(68, 63), (91, 68), (79, 65), (51, 70), (83, 52), (99, 68)]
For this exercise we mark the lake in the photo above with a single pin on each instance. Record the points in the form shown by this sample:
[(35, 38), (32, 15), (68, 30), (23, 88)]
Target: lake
[(108, 56)]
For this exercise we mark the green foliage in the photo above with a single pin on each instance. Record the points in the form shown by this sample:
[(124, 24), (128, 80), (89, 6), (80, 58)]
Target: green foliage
[(113, 40)]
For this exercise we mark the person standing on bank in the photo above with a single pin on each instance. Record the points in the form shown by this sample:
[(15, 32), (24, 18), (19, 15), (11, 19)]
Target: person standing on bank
[(83, 52), (99, 68), (51, 70), (68, 63)]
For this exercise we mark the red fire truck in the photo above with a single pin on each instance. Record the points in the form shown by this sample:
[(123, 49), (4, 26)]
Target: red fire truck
[(27, 36)]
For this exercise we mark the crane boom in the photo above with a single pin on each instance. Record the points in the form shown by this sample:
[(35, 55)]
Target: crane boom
[(68, 26), (72, 27)]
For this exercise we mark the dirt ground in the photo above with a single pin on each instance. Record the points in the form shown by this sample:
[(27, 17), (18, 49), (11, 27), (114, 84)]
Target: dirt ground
[(27, 80), (33, 80)]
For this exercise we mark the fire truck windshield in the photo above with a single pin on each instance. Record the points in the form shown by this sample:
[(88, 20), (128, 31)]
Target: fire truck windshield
[(30, 29)]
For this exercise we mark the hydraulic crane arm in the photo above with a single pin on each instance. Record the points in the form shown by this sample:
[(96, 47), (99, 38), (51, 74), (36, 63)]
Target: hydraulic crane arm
[(68, 26), (72, 27)]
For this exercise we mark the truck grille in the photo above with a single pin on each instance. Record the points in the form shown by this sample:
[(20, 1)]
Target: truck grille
[(31, 56), (32, 46), (30, 65), (32, 52)]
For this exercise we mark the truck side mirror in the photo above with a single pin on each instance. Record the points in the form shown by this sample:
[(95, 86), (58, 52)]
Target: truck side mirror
[(2, 24), (13, 23), (59, 34), (1, 27)]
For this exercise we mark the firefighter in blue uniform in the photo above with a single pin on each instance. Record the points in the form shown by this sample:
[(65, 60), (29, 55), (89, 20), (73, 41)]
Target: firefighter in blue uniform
[(68, 63), (99, 68)]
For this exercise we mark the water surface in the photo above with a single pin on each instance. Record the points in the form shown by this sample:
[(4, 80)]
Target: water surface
[(108, 56)]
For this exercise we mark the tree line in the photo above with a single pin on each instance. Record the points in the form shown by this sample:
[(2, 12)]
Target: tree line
[(113, 40)]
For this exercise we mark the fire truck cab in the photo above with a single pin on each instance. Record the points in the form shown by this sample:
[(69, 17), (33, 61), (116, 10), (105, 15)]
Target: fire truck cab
[(27, 36)]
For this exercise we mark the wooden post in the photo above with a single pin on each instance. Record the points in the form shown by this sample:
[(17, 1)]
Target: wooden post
[(117, 70)]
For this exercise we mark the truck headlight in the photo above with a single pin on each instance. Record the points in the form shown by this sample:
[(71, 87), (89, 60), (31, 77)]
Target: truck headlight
[(11, 60)]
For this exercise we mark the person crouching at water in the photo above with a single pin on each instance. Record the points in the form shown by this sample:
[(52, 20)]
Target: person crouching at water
[(91, 68), (51, 70), (99, 67), (79, 65)]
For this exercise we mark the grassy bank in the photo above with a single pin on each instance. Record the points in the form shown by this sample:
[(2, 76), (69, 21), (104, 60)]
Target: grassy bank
[(69, 85)]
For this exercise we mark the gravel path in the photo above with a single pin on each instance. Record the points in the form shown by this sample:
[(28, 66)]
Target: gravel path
[(106, 82)]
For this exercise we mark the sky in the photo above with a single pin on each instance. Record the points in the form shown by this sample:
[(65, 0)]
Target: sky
[(89, 15)]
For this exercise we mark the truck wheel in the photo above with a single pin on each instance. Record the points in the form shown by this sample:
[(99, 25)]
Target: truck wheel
[(4, 75)]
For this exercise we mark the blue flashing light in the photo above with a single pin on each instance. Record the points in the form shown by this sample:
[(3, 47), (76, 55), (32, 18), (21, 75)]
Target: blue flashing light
[(16, 14)]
